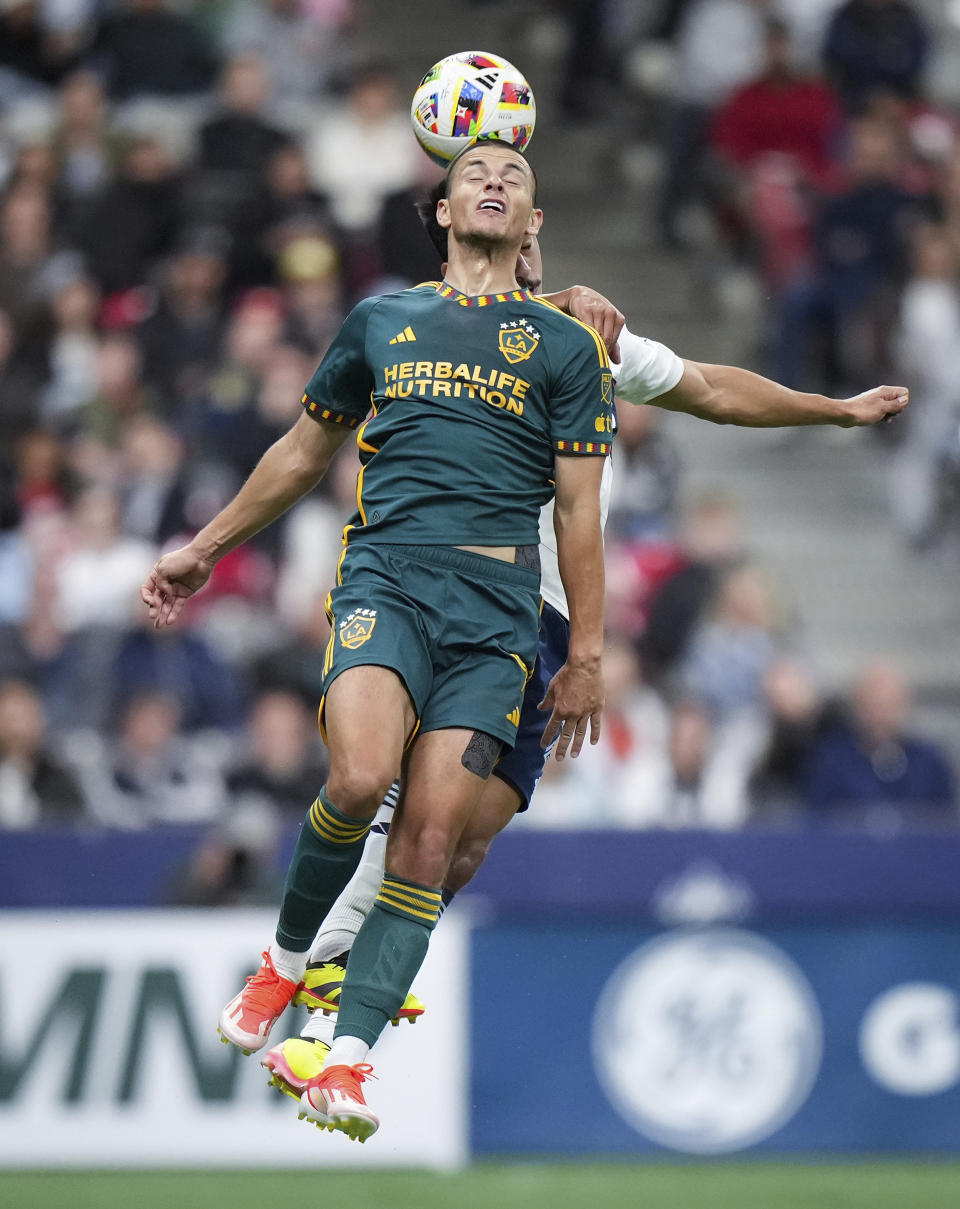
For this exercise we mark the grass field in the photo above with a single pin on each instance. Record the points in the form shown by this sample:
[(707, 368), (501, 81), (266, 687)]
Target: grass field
[(784, 1185)]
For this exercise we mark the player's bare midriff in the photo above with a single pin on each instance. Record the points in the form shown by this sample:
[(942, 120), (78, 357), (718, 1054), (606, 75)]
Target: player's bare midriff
[(507, 554)]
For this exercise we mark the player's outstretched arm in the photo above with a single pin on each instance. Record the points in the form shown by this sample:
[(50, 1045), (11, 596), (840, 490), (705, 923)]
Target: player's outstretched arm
[(575, 694), (285, 473), (727, 394)]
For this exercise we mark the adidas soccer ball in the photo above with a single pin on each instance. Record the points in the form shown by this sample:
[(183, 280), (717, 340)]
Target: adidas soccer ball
[(469, 97)]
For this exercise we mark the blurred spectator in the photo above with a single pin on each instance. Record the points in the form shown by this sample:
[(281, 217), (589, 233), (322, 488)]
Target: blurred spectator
[(182, 667), (711, 543), (35, 790), (698, 776), (36, 164), (929, 356), (312, 540), (74, 349), (244, 414), (875, 46), (284, 761), (702, 79), (288, 207), (42, 478), (29, 57), (146, 48), (151, 774), (361, 152), (600, 788), (181, 337), (98, 579), (844, 307), (253, 396), (296, 665), (799, 718), (875, 761), (781, 111), (154, 482), (234, 864), (86, 152), (783, 124), (222, 427), (589, 64), (300, 36), (238, 139), (290, 194), (405, 251), (20, 385), (309, 273), (645, 484), (26, 247), (119, 394), (132, 223), (234, 148), (734, 647)]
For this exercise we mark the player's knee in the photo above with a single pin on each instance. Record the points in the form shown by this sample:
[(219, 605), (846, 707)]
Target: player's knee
[(358, 787)]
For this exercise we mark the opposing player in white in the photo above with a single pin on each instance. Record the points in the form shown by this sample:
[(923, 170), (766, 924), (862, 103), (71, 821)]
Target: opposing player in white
[(645, 372)]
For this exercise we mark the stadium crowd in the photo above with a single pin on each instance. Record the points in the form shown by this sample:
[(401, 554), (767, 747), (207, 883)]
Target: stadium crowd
[(815, 157), (182, 230)]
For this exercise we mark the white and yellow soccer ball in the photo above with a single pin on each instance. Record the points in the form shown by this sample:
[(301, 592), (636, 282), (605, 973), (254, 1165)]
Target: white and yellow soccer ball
[(471, 97)]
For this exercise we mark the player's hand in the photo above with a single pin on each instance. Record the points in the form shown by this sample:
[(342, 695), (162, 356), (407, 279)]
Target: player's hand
[(590, 307), (575, 697), (881, 403), (173, 580)]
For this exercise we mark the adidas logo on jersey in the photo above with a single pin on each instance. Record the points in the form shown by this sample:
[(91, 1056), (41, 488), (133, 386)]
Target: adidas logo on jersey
[(404, 336), (514, 716)]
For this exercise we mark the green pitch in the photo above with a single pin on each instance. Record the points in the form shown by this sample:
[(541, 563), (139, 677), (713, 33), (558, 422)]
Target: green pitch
[(784, 1185)]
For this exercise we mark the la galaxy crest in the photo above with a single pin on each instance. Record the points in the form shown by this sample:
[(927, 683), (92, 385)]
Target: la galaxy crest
[(357, 627), (518, 340)]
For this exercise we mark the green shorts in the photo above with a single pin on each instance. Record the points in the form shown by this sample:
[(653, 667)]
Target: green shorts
[(459, 629)]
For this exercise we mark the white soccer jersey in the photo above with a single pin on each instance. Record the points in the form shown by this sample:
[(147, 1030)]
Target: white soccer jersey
[(646, 370)]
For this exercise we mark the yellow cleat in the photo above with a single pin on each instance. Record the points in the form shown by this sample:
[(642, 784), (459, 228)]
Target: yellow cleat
[(323, 981), (293, 1063)]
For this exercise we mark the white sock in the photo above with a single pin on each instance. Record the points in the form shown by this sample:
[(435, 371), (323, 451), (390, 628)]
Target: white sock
[(347, 1051), (345, 917), (287, 963), (319, 1028)]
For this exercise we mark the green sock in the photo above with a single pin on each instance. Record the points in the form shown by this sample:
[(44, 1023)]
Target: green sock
[(388, 951), (328, 851)]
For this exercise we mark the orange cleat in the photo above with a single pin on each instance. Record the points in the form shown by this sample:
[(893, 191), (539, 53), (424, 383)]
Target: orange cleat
[(334, 1100), (247, 1019)]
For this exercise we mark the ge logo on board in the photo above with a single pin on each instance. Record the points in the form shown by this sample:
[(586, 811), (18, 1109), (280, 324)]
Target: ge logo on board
[(707, 1041)]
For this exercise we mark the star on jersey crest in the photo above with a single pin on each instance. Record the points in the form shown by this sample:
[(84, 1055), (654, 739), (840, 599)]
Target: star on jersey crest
[(518, 339)]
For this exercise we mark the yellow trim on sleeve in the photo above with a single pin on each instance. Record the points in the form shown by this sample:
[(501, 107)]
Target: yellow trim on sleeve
[(601, 347)]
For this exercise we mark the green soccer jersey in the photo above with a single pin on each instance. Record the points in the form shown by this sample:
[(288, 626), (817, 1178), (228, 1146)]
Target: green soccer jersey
[(469, 401)]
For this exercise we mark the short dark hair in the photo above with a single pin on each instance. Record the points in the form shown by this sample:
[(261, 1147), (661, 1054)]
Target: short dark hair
[(427, 211)]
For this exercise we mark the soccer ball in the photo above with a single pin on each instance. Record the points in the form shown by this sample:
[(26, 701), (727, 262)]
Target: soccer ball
[(470, 97)]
